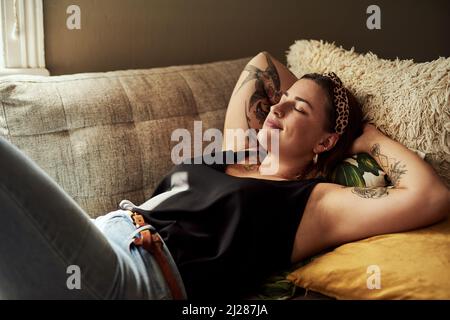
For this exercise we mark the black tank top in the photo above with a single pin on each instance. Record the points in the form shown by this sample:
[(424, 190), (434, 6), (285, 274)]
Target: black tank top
[(227, 233)]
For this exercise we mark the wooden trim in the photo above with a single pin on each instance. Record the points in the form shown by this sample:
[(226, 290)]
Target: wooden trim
[(25, 50)]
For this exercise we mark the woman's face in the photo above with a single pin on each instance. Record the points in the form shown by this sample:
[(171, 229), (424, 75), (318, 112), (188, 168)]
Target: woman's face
[(300, 128)]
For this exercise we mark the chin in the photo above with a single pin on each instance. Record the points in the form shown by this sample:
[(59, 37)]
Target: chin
[(269, 139)]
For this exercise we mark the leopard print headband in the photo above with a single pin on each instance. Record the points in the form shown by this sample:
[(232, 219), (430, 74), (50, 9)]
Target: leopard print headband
[(340, 100)]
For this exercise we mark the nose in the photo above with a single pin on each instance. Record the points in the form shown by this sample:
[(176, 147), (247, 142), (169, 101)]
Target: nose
[(279, 109)]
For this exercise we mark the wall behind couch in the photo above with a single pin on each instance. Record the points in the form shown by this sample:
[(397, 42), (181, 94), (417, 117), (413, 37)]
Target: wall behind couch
[(118, 34)]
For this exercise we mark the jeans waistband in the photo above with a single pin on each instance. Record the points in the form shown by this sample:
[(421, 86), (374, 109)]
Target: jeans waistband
[(150, 240)]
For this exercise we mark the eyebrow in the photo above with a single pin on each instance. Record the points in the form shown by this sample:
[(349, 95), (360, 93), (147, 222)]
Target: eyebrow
[(301, 100)]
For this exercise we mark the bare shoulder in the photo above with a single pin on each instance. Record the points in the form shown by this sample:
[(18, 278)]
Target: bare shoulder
[(309, 238)]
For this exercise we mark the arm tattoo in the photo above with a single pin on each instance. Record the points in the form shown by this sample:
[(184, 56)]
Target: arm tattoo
[(375, 151), (371, 193), (394, 169), (267, 92)]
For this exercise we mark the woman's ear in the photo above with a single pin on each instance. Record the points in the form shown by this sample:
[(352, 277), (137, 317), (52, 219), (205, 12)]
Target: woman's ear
[(328, 143)]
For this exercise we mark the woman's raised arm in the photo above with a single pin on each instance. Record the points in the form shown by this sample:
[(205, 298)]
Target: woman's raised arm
[(258, 87), (404, 167), (418, 198)]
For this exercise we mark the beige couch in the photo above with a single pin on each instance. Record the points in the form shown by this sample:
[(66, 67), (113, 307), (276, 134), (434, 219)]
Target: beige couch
[(104, 137)]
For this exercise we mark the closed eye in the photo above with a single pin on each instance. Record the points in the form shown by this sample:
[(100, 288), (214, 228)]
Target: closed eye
[(299, 109), (295, 104)]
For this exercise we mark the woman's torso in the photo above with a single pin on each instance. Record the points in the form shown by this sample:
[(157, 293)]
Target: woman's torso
[(308, 239), (229, 224)]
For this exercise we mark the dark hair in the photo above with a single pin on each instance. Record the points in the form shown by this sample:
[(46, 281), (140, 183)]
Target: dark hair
[(328, 160)]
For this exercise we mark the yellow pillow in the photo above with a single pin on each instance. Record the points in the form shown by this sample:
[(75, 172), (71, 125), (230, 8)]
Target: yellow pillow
[(411, 265)]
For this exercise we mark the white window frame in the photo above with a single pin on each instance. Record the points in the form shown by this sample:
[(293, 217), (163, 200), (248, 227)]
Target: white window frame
[(23, 53)]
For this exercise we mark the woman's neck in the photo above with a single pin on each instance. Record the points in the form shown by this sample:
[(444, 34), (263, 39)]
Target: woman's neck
[(272, 165)]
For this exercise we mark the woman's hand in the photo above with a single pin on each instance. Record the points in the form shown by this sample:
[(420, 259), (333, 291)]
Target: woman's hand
[(363, 142)]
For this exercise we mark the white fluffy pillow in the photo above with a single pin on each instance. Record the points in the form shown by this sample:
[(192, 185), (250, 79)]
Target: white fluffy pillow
[(409, 102)]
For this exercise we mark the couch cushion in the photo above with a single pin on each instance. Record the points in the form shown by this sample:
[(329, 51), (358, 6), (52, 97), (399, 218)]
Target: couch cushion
[(104, 137)]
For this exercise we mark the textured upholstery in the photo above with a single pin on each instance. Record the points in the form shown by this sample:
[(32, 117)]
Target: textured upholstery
[(104, 137)]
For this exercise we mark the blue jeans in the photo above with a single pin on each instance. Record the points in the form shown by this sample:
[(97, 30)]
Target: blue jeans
[(51, 249)]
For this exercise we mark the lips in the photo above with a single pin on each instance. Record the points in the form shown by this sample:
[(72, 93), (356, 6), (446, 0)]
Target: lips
[(273, 124)]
